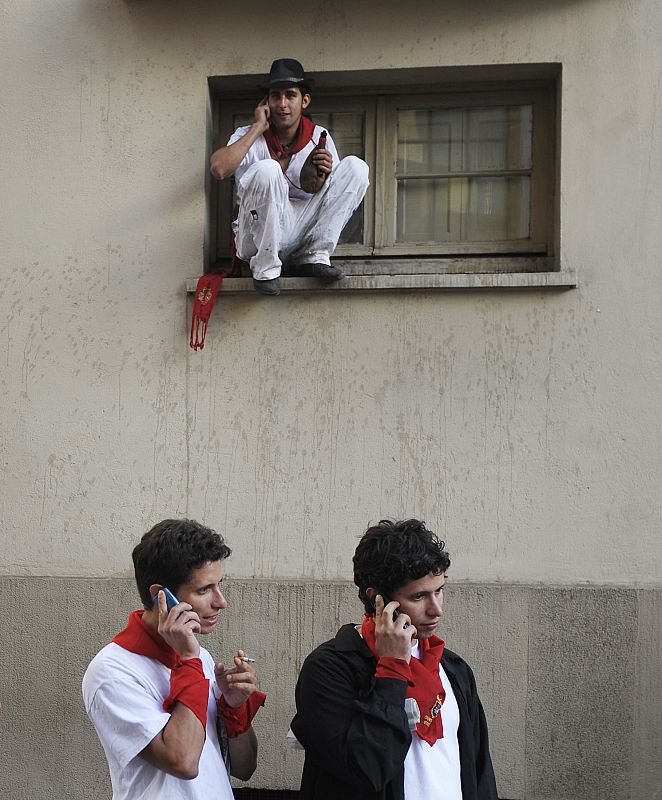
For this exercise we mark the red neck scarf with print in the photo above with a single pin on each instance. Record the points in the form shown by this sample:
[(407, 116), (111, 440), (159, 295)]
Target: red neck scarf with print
[(303, 136), (427, 689), (188, 684), (139, 638), (206, 292)]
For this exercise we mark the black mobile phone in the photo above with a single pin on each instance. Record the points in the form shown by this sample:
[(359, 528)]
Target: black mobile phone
[(386, 600)]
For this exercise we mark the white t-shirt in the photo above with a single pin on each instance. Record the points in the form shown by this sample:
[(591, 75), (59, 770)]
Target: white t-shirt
[(433, 773), (260, 152), (123, 694)]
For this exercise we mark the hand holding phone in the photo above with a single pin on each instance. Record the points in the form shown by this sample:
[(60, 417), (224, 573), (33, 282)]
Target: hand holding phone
[(393, 630), (178, 628), (171, 598), (262, 112), (385, 601)]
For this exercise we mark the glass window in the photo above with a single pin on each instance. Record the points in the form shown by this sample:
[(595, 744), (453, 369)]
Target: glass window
[(464, 174), (466, 171)]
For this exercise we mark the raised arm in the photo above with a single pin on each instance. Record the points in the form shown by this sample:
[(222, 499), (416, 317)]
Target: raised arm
[(352, 723), (177, 747), (225, 160)]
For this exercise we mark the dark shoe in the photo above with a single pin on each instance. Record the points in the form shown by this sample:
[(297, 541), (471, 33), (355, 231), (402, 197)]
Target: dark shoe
[(267, 287), (325, 272)]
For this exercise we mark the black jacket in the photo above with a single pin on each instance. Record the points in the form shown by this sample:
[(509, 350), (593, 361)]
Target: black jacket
[(355, 732)]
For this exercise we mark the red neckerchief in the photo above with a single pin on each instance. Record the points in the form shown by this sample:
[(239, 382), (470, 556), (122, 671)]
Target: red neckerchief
[(188, 684), (304, 135), (139, 638), (426, 687)]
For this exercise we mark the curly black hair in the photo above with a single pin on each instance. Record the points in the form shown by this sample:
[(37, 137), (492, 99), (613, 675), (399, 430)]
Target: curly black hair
[(170, 552), (390, 554)]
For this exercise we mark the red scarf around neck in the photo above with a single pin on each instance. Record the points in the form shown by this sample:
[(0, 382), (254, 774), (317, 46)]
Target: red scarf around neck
[(426, 687), (303, 136), (188, 684), (139, 638)]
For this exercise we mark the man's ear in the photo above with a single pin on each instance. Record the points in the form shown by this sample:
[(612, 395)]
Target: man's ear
[(370, 593), (305, 100), (154, 589)]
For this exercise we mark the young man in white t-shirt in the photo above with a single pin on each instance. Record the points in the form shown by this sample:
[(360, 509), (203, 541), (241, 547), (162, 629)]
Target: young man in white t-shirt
[(295, 193), (172, 723), (358, 695)]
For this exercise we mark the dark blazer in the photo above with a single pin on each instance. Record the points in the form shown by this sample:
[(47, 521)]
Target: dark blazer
[(355, 732)]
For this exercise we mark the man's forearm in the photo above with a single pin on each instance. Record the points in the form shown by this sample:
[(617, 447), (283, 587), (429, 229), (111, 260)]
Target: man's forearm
[(243, 755), (225, 160), (176, 749)]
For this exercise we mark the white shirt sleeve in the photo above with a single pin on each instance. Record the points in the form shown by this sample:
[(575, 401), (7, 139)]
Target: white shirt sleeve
[(126, 705), (257, 152)]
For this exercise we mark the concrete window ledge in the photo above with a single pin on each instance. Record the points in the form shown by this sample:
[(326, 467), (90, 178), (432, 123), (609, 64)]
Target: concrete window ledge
[(409, 281)]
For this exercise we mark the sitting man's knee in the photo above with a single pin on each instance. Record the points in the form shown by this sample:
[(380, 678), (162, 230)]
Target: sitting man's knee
[(264, 173), (357, 168)]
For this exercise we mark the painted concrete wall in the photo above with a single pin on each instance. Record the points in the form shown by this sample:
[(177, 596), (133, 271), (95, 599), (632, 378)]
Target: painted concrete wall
[(523, 426), (569, 677)]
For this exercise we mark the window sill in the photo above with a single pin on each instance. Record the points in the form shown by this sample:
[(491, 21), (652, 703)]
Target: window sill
[(412, 275)]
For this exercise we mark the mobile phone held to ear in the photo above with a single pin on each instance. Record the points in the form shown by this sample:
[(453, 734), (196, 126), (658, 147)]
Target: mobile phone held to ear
[(386, 600), (171, 599)]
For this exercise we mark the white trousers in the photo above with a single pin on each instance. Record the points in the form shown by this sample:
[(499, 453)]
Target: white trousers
[(273, 228)]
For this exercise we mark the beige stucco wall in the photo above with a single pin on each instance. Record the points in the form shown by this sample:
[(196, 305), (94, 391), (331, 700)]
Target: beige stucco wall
[(524, 426)]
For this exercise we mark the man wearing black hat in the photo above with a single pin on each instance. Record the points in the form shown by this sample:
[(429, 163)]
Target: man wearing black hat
[(295, 194)]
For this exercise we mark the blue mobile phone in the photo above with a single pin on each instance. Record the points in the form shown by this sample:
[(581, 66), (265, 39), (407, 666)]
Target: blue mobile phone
[(171, 599)]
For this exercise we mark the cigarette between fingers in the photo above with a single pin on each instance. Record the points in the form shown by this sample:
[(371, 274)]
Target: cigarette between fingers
[(247, 660)]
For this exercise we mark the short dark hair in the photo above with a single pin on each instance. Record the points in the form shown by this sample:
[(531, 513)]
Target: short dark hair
[(170, 552), (302, 87), (390, 554)]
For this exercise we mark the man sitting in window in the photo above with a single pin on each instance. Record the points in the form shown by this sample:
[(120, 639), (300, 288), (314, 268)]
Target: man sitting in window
[(295, 194)]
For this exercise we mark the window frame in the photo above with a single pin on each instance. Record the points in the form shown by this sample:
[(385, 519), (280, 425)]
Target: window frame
[(450, 87), (540, 241)]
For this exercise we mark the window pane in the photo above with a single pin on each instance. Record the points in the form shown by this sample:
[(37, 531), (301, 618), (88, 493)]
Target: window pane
[(425, 211), (497, 209), (489, 151), (347, 129), (429, 140), (463, 209), (447, 140), (498, 138)]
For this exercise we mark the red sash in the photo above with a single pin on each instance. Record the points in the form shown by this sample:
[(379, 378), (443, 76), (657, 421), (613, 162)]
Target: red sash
[(206, 293), (425, 684), (188, 684)]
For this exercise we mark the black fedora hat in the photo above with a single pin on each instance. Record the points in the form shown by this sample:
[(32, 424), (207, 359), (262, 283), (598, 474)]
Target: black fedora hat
[(287, 72)]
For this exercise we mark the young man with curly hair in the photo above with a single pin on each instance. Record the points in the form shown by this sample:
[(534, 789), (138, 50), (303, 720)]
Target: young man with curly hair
[(359, 695)]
